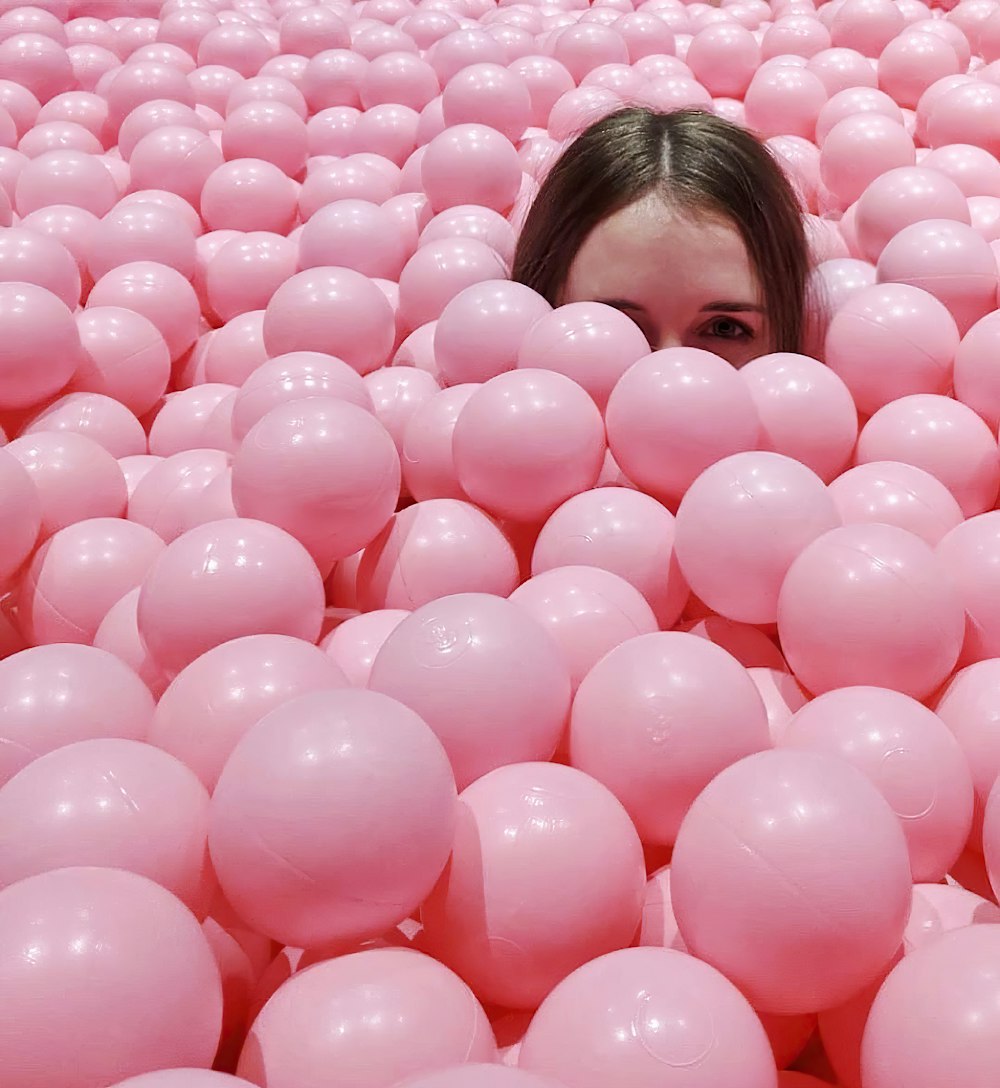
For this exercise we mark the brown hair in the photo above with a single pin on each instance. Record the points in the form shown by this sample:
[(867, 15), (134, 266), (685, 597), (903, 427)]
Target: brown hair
[(700, 163)]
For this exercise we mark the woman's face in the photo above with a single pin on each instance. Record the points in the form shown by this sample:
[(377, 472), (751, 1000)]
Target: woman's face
[(684, 280)]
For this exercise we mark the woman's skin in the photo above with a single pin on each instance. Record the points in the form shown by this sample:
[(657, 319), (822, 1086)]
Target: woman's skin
[(685, 279)]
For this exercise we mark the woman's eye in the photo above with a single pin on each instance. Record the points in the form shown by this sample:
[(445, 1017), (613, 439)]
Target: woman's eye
[(726, 328)]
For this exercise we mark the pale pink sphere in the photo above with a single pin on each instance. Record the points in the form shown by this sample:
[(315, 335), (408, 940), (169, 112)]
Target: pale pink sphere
[(138, 231), (388, 130), (21, 507), (546, 80), (59, 136), (577, 109), (231, 354), (269, 131), (913, 62), (470, 221), (620, 78), (774, 506), (332, 310), (583, 47), (909, 336), (800, 159), (397, 393), (951, 33), (89, 927), (177, 158), (426, 454), (801, 35), (969, 552), (135, 467), (149, 116), (164, 498), (355, 234), (859, 149), (439, 271), (22, 105), (311, 760), (376, 41), (839, 614), (310, 30), (866, 25), (976, 381), (526, 441), (65, 177), (75, 478), (417, 1017), (895, 493), (324, 470), (79, 573), (943, 437), (246, 272), (236, 46), (470, 164), (470, 1075), (185, 27), (975, 171), (114, 803), (934, 94), (949, 260), (183, 418), (703, 411), (139, 82), (212, 85), (724, 57), (505, 654), (96, 416), (582, 868), (813, 907), (644, 35), (37, 63), (417, 350), (488, 94), (842, 68), (911, 758), (457, 50), (192, 1078), (984, 216), (73, 229), (396, 78), (31, 20), (249, 195), (91, 63), (785, 101), (212, 703), (266, 88), (354, 644), (614, 733), (781, 694), (32, 256), (806, 411), (433, 549), (966, 114), (163, 53), (902, 197)]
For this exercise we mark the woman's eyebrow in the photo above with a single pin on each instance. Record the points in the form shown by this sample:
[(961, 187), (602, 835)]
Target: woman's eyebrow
[(619, 303), (733, 308)]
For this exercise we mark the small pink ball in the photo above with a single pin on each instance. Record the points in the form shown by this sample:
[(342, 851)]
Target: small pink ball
[(866, 25), (438, 272), (37, 63), (975, 171), (398, 78), (310, 30), (36, 325), (249, 195), (142, 232), (426, 455), (912, 62), (859, 149), (178, 158), (488, 94), (270, 131), (546, 80), (65, 177), (470, 221), (34, 256), (236, 46), (966, 114), (397, 393), (785, 101), (461, 48), (354, 234), (354, 644), (333, 78), (183, 419), (388, 130), (842, 68), (246, 272), (471, 164)]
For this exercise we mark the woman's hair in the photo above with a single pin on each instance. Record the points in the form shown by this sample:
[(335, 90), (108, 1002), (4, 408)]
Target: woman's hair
[(698, 162)]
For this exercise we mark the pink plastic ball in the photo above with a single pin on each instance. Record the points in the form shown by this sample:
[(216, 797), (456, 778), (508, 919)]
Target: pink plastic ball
[(310, 30), (333, 310), (426, 454), (911, 63), (500, 643), (140, 82), (36, 325), (488, 94), (354, 234), (215, 700), (142, 232), (968, 552), (268, 88), (866, 25), (212, 84), (837, 594), (261, 581), (90, 926), (150, 116), (724, 58), (249, 195), (438, 271), (897, 494), (859, 149), (376, 41), (354, 644), (975, 171), (182, 421), (90, 64), (75, 478), (166, 498), (22, 510), (911, 758), (816, 907), (480, 1076), (470, 221), (784, 101), (976, 383), (246, 272), (65, 177), (37, 63), (397, 393), (40, 247), (943, 437), (471, 164), (177, 158), (852, 101), (269, 131), (354, 177), (909, 332), (418, 1016), (966, 114), (583, 867), (96, 416), (703, 412), (546, 80), (185, 1078), (236, 46), (774, 506), (398, 78), (324, 470), (59, 136)]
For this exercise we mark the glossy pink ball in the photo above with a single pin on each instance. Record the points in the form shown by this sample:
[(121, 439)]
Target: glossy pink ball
[(488, 94), (784, 101), (354, 234), (859, 149), (36, 325), (426, 454), (438, 271), (911, 63), (21, 505), (184, 419), (966, 114), (470, 164), (37, 63), (249, 194), (36, 251), (142, 232), (270, 131), (976, 381), (723, 58), (850, 102)]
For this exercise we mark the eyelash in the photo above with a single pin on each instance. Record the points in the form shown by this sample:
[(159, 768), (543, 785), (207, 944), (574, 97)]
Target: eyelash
[(744, 332)]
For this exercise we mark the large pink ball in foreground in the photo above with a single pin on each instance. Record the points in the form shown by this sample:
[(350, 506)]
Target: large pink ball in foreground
[(525, 442), (70, 942), (774, 506), (211, 703), (648, 1018), (290, 803), (911, 758), (935, 1018), (223, 580), (183, 1078), (657, 718), (546, 872), (485, 677), (108, 802), (416, 1017), (818, 864), (870, 604)]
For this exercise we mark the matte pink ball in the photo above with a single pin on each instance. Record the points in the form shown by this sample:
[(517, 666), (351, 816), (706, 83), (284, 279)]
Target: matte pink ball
[(52, 696), (645, 1017), (911, 758), (485, 677), (417, 1017), (921, 1024), (580, 868), (324, 470), (470, 164), (78, 574), (89, 927), (526, 441), (948, 259), (969, 552), (847, 598), (657, 718), (113, 803), (943, 437), (333, 310), (125, 357), (806, 411), (673, 414), (211, 703), (859, 149), (976, 381), (260, 581), (309, 765), (439, 271), (826, 895), (895, 493), (75, 478), (784, 101), (36, 325)]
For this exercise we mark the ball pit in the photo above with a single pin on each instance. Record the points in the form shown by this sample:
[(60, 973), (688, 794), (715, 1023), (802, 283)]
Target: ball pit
[(419, 674)]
